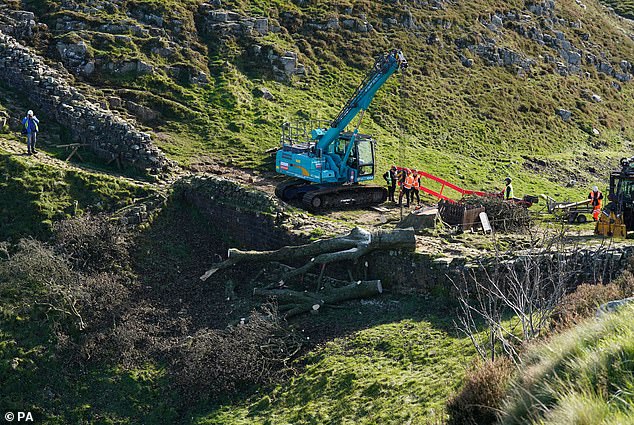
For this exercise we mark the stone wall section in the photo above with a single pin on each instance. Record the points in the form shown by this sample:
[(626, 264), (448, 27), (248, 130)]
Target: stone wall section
[(50, 90), (251, 219), (248, 218)]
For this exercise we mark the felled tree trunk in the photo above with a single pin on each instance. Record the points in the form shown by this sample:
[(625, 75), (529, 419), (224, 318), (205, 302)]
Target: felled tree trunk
[(352, 246), (296, 302)]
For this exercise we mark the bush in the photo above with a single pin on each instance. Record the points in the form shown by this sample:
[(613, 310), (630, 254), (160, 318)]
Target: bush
[(480, 398), (583, 302), (35, 279), (80, 310), (625, 281), (224, 362), (91, 243)]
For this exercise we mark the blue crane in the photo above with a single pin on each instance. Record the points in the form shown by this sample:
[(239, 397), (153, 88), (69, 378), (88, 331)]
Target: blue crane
[(328, 162)]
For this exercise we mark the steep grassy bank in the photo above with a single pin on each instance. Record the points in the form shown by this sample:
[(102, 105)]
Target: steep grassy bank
[(584, 376), (35, 194), (395, 371)]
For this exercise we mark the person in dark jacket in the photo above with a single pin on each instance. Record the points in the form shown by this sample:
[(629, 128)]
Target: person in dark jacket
[(390, 179), (508, 190), (31, 128)]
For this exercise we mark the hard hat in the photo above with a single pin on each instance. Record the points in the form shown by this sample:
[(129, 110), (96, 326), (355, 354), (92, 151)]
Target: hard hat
[(508, 179), (30, 113), (595, 189)]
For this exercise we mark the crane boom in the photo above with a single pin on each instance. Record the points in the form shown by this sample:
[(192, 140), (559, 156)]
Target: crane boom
[(383, 68)]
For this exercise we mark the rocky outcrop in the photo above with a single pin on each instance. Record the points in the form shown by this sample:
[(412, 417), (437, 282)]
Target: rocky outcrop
[(19, 24), (501, 56), (540, 23), (223, 24), (227, 23), (50, 90)]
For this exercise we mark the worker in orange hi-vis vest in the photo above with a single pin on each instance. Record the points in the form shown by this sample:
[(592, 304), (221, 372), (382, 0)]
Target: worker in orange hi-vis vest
[(416, 187), (596, 199), (406, 189)]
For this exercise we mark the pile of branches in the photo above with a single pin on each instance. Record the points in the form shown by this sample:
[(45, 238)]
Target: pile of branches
[(79, 291), (505, 216), (257, 352)]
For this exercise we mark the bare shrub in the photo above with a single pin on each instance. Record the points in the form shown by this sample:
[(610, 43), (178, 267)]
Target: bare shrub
[(515, 295), (583, 302), (480, 398), (214, 362), (92, 243), (103, 303), (528, 289), (38, 280), (79, 309), (625, 281)]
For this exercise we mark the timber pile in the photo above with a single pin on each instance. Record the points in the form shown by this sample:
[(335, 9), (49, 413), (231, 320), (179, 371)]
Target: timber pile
[(349, 248)]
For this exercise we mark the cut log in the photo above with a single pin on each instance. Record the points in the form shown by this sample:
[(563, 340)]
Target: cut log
[(352, 246), (297, 302)]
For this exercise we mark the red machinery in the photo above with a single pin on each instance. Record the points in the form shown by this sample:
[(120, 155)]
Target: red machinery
[(526, 202), (444, 184)]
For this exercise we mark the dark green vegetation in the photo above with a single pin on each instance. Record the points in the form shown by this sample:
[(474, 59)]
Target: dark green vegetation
[(622, 7), (42, 359)]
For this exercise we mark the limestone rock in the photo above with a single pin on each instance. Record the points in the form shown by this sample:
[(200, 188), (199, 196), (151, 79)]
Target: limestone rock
[(564, 114), (264, 93)]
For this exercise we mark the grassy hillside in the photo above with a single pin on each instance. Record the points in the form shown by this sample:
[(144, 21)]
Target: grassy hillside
[(413, 363), (472, 124), (394, 350), (584, 376), (196, 81)]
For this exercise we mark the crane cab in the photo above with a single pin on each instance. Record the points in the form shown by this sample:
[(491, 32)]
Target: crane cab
[(299, 157)]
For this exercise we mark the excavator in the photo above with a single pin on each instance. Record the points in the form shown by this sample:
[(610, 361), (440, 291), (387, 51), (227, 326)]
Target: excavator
[(618, 216), (327, 162)]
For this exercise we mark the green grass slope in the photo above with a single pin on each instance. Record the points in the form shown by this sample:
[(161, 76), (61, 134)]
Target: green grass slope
[(622, 7), (473, 125), (584, 376), (35, 194), (399, 371)]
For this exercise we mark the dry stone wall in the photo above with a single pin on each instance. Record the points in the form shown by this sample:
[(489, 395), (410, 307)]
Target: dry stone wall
[(251, 219), (49, 90), (248, 218)]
